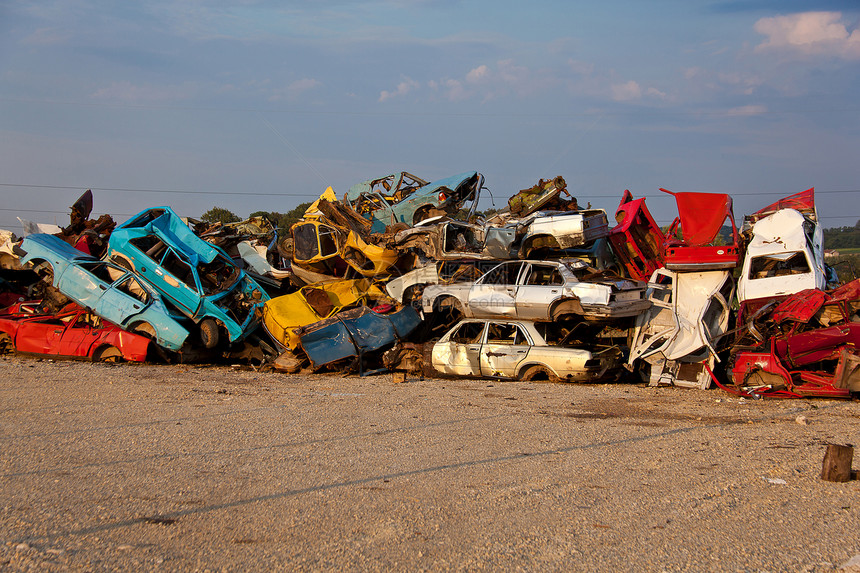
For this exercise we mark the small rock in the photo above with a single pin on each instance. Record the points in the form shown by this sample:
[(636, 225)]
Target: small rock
[(125, 547), (801, 420), (23, 546)]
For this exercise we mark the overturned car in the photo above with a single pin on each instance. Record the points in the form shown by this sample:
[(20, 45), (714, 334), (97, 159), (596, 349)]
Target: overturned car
[(198, 278)]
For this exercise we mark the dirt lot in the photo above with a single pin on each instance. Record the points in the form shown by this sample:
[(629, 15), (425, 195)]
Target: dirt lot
[(182, 468)]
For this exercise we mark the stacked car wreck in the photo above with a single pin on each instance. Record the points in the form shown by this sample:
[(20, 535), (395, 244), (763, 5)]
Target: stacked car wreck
[(406, 274)]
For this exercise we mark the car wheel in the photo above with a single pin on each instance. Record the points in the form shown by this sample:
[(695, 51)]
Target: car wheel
[(537, 374), (7, 345), (108, 354), (209, 334)]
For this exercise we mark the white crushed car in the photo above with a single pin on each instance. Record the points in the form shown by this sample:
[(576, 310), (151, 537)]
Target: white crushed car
[(518, 350), (542, 291)]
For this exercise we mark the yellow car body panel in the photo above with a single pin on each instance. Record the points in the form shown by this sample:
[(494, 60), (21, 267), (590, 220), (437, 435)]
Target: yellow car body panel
[(284, 315)]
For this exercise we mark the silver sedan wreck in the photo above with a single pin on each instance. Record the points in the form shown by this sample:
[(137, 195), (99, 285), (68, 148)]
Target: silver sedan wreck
[(542, 291), (518, 350)]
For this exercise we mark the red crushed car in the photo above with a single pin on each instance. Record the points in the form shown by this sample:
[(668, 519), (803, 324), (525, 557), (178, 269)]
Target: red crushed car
[(637, 240), (71, 333), (804, 345), (691, 243)]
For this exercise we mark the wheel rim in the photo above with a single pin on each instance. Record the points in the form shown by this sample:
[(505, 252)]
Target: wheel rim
[(110, 354)]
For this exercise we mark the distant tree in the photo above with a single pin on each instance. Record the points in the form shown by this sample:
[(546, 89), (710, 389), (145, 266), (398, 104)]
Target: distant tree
[(219, 215), (286, 220)]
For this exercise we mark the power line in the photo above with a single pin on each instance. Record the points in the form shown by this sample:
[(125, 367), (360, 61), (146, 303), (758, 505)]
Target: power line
[(265, 194), (171, 191)]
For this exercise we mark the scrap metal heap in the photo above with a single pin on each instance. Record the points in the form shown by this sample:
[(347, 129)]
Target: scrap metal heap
[(406, 274)]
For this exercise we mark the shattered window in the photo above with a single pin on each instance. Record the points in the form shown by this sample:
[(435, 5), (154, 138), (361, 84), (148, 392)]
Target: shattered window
[(150, 245), (305, 242), (544, 275), (99, 269), (504, 274), (178, 268), (469, 333), (505, 334), (131, 287), (778, 265), (328, 241)]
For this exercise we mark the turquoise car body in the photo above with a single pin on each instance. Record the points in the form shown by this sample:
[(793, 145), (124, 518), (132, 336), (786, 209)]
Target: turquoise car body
[(106, 289), (379, 201), (195, 276)]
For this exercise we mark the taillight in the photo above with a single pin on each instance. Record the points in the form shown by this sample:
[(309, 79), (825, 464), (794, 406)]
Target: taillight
[(442, 197)]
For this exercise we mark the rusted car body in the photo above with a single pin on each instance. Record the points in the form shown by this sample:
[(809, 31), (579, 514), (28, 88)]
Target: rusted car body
[(330, 250), (690, 312), (447, 239), (74, 332), (404, 198), (517, 350), (637, 239), (546, 194), (784, 251), (541, 290), (350, 334), (692, 241), (805, 345)]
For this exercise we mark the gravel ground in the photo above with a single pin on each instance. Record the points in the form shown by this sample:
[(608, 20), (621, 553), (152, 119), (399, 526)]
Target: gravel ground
[(182, 468)]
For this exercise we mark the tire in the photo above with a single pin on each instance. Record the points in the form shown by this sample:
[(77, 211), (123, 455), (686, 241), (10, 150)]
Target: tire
[(209, 333), (108, 354)]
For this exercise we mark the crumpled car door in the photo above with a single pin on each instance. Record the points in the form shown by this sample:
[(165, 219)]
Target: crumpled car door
[(505, 348), (460, 355), (495, 293), (539, 286)]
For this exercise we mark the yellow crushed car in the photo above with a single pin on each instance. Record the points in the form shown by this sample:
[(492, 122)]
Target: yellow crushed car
[(284, 315)]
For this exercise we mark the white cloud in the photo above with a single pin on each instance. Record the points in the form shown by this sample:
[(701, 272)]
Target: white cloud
[(809, 33), (747, 110), (403, 88), (127, 92), (475, 75), (294, 89), (626, 91)]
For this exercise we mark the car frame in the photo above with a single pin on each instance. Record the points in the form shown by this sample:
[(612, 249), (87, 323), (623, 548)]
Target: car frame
[(401, 197), (73, 332), (109, 290), (515, 349), (197, 277), (540, 290)]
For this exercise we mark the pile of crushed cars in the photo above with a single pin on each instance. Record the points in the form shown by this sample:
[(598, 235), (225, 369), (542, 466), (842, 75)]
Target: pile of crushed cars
[(404, 274)]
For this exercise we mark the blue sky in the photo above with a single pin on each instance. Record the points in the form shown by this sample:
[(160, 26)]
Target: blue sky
[(260, 105)]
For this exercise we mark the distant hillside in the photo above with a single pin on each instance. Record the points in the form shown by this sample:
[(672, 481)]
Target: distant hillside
[(842, 237)]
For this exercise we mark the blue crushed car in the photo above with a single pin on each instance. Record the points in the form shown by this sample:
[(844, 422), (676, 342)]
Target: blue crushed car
[(106, 289), (405, 198), (195, 276), (352, 333)]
